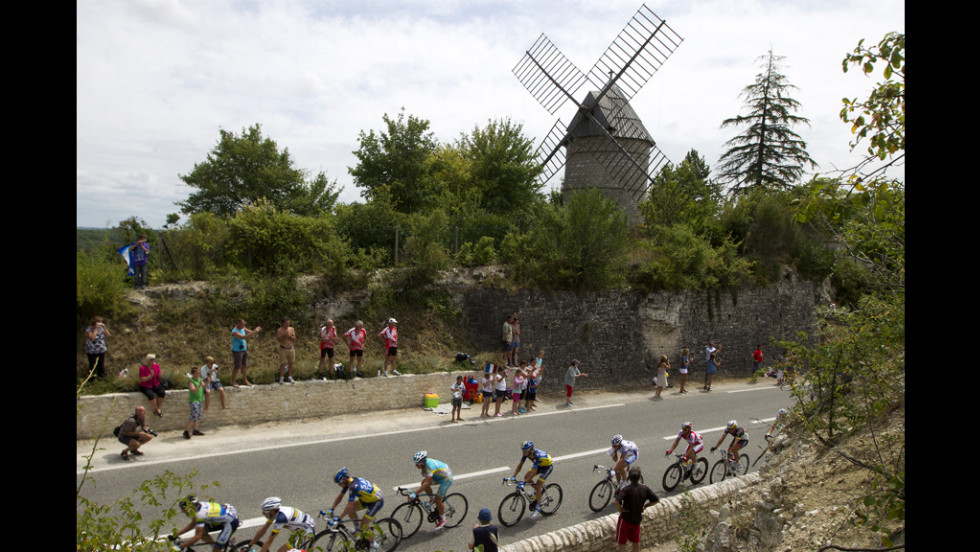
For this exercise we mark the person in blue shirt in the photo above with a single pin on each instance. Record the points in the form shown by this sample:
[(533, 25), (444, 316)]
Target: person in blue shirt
[(542, 466), (433, 471), (363, 494)]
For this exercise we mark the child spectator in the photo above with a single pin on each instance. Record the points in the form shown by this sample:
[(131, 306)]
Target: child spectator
[(519, 383), (486, 389), (196, 400), (457, 389), (484, 533), (209, 375)]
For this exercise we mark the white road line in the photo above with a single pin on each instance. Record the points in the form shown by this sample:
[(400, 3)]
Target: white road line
[(143, 463), (719, 428), (752, 389), (456, 477)]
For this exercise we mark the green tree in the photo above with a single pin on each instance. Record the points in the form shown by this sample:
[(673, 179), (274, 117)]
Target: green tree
[(240, 170), (768, 154), (395, 161), (682, 195), (504, 167)]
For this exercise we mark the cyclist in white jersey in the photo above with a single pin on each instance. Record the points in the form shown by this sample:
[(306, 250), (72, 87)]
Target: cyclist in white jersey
[(624, 453), (208, 516), (281, 517)]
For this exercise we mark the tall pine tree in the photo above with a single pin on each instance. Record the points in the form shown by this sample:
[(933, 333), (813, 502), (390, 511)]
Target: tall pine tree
[(768, 154)]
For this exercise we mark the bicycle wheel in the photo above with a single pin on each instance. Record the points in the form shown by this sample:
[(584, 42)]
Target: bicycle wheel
[(410, 517), (719, 471), (743, 464), (387, 533), (456, 507), (672, 476), (699, 470), (244, 546), (550, 499), (511, 509), (601, 495), (329, 541)]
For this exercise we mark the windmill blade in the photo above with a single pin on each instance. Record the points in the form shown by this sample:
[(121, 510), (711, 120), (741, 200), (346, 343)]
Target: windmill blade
[(632, 177), (636, 54), (548, 75), (551, 153)]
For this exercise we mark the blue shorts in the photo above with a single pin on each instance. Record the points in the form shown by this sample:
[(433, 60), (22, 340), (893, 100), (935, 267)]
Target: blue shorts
[(544, 472), (372, 507), (444, 488)]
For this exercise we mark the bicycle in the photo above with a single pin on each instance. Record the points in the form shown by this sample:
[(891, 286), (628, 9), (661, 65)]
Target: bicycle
[(512, 506), (604, 490), (410, 514), (681, 470), (728, 467), (231, 545), (387, 533)]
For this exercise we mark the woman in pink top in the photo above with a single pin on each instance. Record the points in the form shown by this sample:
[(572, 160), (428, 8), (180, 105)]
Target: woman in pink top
[(150, 384)]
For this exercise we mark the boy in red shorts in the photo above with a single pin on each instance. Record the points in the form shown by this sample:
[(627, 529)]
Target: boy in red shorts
[(631, 501)]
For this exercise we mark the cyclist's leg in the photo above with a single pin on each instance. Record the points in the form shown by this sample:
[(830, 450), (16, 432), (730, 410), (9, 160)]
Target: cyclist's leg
[(443, 490), (227, 530), (370, 513), (542, 477), (620, 469)]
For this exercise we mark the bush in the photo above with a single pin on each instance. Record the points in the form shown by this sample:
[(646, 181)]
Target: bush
[(100, 285), (676, 258)]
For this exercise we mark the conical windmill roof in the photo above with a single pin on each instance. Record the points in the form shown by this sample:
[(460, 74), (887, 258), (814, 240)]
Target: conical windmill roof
[(614, 112)]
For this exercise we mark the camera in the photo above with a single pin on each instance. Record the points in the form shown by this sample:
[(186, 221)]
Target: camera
[(151, 432)]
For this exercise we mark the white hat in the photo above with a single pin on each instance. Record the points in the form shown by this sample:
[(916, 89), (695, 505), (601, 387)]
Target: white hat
[(392, 321)]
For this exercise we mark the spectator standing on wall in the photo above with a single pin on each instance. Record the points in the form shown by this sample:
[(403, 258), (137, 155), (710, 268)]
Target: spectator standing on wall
[(571, 375), (209, 375), (757, 359), (389, 337), (239, 350), (685, 364), (286, 336), (631, 501), (141, 256), (95, 347), (508, 338), (328, 338), (515, 343), (354, 338), (150, 383)]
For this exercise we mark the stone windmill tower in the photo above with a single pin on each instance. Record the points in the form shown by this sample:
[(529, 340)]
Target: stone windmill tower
[(606, 145)]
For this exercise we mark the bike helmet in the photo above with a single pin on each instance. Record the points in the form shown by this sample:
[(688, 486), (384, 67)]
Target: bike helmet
[(527, 445), (188, 500), (617, 439), (686, 425), (420, 457), (783, 412), (731, 425), (341, 475), (271, 504)]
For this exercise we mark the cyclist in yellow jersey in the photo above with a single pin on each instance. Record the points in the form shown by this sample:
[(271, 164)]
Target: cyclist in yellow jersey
[(363, 494), (541, 466)]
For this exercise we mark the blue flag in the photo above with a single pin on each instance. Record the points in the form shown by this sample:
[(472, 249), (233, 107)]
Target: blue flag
[(127, 252)]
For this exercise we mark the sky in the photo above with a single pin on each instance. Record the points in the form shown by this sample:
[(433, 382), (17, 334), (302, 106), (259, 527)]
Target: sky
[(158, 79)]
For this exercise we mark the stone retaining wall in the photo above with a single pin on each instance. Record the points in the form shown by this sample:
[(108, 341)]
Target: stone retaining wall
[(661, 523)]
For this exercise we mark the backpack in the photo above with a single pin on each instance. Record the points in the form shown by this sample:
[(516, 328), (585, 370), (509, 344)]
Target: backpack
[(116, 431)]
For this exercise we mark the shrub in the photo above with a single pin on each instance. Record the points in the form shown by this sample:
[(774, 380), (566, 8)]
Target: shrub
[(100, 285)]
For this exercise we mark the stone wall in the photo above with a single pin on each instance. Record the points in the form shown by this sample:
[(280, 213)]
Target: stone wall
[(619, 336)]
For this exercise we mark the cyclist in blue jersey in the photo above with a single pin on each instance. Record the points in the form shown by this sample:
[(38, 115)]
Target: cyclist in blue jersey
[(208, 516), (541, 466), (363, 494), (433, 471), (281, 517)]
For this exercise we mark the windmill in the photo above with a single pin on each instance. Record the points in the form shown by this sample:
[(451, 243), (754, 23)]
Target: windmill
[(606, 145)]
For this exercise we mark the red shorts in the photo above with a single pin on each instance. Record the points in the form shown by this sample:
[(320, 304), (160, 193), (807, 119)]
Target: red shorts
[(626, 531)]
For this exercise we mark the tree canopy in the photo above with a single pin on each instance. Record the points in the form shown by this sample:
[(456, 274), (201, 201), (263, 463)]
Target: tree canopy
[(768, 154)]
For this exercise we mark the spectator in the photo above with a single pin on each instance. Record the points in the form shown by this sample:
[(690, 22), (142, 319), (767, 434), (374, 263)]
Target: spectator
[(209, 375), (685, 364), (571, 375), (535, 379), (713, 363), (286, 336), (662, 375), (328, 338), (150, 384), (133, 433), (486, 388), (239, 350), (520, 381), (95, 348), (354, 338), (757, 359), (630, 502), (457, 391), (389, 337), (484, 533), (708, 351), (515, 343), (196, 399), (141, 255), (532, 389), (508, 338), (499, 389)]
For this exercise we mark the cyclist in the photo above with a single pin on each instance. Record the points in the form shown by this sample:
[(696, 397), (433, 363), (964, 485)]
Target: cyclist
[(739, 439), (363, 494), (542, 466), (208, 517), (779, 417), (281, 517), (627, 453), (433, 471), (694, 443)]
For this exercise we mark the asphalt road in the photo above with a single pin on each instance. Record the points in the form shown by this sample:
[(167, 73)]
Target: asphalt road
[(297, 460)]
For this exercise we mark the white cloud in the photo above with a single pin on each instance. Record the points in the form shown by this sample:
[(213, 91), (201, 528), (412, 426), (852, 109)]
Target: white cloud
[(157, 79)]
